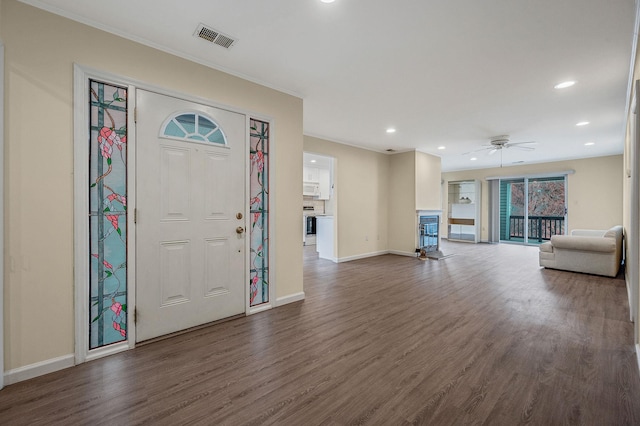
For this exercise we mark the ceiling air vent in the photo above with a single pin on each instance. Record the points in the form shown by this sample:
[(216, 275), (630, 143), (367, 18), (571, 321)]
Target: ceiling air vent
[(214, 36)]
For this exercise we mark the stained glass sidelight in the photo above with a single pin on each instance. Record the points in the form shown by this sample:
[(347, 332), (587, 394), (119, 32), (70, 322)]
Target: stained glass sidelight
[(259, 209), (108, 213)]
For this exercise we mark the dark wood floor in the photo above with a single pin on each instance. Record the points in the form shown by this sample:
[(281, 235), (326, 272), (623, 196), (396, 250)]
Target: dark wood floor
[(483, 337)]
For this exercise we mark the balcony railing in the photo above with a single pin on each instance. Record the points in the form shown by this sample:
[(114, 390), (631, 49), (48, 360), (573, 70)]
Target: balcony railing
[(541, 228)]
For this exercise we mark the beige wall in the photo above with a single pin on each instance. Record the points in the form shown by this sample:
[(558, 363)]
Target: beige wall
[(39, 283), (402, 203), (428, 176), (361, 186), (594, 190)]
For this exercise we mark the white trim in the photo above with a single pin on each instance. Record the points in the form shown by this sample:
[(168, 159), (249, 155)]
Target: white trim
[(272, 209), (632, 263), (353, 145), (121, 33), (80, 209), (532, 176), (259, 308), (632, 64), (131, 224), (247, 223), (401, 253), (296, 297), (367, 255), (108, 350), (1, 215), (38, 369), (124, 80), (638, 354)]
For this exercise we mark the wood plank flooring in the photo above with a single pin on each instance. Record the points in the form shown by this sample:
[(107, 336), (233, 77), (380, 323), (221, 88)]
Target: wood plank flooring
[(482, 337)]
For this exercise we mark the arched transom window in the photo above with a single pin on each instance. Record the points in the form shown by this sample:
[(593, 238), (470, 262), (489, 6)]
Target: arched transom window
[(193, 127)]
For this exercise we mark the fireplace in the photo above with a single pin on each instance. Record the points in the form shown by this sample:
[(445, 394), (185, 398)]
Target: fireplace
[(429, 230)]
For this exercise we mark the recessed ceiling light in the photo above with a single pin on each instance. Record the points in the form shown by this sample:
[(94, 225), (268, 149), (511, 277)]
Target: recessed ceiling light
[(582, 123), (442, 147), (327, 1), (564, 84), (589, 144), (391, 130), (473, 158), (313, 161)]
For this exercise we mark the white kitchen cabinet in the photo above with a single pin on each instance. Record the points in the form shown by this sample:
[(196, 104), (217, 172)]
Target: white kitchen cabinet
[(324, 180), (310, 174)]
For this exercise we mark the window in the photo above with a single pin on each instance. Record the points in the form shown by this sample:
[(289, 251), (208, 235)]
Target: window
[(259, 209), (193, 127), (107, 214)]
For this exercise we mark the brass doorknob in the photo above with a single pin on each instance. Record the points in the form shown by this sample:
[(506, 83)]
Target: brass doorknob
[(239, 230)]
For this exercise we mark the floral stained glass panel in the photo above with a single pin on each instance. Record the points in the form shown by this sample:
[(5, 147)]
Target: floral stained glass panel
[(259, 210), (108, 214)]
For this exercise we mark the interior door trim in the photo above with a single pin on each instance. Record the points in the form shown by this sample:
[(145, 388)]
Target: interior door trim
[(2, 214)]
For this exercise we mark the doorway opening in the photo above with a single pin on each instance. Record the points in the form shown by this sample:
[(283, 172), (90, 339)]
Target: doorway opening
[(319, 206)]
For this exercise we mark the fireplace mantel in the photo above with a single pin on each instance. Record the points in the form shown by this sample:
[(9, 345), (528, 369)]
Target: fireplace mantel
[(429, 213)]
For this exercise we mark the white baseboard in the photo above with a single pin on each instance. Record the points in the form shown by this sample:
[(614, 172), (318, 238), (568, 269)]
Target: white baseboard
[(403, 253), (290, 299), (361, 256), (38, 369)]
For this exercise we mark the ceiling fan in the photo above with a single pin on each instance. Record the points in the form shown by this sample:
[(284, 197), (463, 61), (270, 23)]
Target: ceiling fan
[(497, 143)]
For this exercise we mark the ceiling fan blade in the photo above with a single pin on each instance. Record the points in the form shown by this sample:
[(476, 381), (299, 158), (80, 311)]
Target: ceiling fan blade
[(523, 143), (493, 151), (525, 148), (475, 150)]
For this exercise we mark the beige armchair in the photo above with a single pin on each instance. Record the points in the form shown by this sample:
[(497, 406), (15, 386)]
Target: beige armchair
[(588, 251)]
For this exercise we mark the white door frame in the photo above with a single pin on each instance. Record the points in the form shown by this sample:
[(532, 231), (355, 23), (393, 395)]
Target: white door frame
[(82, 75), (1, 214), (633, 233)]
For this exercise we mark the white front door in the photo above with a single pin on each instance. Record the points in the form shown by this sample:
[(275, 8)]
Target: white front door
[(190, 196)]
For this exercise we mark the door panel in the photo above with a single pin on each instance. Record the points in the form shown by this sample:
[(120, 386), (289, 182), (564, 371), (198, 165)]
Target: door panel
[(175, 279), (175, 174), (190, 262)]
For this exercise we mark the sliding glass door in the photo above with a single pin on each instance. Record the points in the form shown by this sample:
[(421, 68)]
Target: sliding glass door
[(532, 209)]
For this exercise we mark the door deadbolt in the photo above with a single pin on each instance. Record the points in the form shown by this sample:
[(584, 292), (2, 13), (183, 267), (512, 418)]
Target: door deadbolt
[(239, 216)]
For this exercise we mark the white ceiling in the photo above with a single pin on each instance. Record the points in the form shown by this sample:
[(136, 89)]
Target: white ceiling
[(442, 72)]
